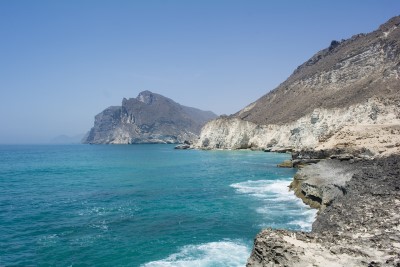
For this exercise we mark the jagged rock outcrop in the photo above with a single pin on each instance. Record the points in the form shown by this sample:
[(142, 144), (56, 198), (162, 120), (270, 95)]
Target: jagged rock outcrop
[(360, 227), (149, 118), (351, 86), (318, 185)]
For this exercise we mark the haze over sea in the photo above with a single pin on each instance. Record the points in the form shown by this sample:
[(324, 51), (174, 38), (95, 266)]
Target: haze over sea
[(140, 205)]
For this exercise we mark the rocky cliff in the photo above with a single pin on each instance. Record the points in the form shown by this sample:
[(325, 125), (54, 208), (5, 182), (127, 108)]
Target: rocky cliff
[(349, 91), (148, 118)]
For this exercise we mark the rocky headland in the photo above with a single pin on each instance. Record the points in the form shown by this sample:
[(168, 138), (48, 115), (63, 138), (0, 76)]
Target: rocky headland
[(148, 118), (339, 116)]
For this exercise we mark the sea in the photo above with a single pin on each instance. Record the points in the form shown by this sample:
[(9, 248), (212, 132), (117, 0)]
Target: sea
[(140, 205)]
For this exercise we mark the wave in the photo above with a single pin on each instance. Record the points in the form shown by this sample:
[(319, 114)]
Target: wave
[(308, 218), (275, 190), (276, 199), (223, 253)]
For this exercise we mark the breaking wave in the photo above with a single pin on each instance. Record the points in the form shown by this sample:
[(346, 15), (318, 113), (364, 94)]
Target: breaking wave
[(276, 199), (223, 253)]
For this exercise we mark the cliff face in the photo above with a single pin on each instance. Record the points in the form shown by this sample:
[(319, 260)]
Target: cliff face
[(350, 84), (149, 118), (374, 125)]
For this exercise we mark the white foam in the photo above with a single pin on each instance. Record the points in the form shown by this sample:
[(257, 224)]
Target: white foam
[(275, 196), (102, 225), (306, 224), (276, 190), (224, 253)]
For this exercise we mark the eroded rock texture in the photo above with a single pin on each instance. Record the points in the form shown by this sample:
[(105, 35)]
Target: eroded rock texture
[(359, 227)]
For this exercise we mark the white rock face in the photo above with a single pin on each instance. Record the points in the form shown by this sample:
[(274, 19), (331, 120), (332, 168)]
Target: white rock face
[(320, 129)]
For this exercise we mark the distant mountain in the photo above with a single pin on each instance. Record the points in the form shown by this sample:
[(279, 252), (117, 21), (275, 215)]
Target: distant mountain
[(148, 118), (65, 139)]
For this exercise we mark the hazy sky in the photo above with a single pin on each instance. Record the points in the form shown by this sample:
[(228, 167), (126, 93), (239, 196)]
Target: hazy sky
[(62, 62)]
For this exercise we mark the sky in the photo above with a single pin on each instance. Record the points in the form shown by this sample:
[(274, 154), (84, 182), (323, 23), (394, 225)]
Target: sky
[(63, 62)]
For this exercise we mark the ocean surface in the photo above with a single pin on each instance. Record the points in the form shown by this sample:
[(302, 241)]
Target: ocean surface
[(140, 205)]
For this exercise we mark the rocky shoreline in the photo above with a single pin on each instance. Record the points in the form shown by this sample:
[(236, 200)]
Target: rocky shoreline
[(358, 223), (339, 111)]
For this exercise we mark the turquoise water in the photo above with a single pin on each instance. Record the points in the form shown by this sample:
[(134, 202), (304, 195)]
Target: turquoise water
[(139, 205)]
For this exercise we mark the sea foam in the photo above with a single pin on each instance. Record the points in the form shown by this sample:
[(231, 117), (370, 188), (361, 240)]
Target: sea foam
[(275, 198), (223, 253), (275, 190)]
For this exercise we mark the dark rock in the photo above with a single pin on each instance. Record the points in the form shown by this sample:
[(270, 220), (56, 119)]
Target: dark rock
[(272, 143), (360, 226), (311, 154), (282, 149), (206, 143), (342, 156), (333, 45), (302, 162), (184, 146), (342, 153)]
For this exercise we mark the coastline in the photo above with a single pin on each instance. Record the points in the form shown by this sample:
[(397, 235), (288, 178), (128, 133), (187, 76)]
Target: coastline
[(356, 225), (340, 112)]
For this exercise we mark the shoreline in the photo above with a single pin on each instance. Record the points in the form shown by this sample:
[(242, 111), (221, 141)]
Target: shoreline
[(356, 225)]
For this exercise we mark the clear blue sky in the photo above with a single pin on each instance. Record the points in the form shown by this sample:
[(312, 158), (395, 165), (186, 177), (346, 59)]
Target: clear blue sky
[(62, 62)]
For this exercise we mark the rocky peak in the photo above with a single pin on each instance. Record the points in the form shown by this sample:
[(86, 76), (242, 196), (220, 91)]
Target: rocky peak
[(146, 97), (390, 25)]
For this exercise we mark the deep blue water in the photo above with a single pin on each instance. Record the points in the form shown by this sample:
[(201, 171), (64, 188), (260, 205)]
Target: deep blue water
[(133, 205)]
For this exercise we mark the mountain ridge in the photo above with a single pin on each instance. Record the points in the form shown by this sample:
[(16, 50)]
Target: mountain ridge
[(378, 55), (349, 86)]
